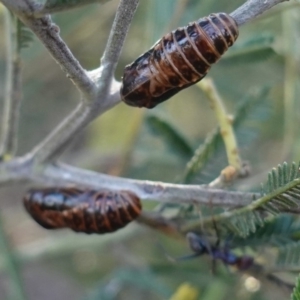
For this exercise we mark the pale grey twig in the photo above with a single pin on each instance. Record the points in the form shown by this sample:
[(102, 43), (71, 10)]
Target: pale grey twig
[(17, 170), (252, 9), (99, 98), (22, 170), (48, 33), (118, 33), (13, 93), (163, 192)]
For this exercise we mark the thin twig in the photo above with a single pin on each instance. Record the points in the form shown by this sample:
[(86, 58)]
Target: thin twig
[(48, 33), (118, 33), (158, 222), (252, 9), (22, 170), (162, 192), (12, 267), (13, 94), (225, 122), (104, 98), (226, 129), (254, 205)]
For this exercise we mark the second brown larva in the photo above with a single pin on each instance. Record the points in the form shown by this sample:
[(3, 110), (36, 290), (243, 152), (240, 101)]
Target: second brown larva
[(83, 210), (178, 60)]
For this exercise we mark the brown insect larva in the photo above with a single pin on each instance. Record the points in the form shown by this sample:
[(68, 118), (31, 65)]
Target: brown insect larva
[(88, 211), (178, 60)]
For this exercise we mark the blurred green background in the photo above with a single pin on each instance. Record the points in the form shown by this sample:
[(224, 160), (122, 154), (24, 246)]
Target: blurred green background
[(127, 141)]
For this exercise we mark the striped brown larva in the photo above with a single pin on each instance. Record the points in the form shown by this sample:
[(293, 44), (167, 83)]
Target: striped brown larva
[(179, 59), (82, 210)]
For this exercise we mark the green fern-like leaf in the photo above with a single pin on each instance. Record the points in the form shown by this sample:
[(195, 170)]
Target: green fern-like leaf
[(283, 229), (254, 49), (296, 292), (289, 256), (24, 36), (283, 188), (210, 157), (282, 194), (258, 40), (172, 136), (242, 225), (202, 154)]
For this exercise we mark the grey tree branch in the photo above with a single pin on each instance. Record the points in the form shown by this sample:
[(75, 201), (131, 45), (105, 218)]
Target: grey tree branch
[(101, 92), (48, 33), (13, 94), (118, 33), (97, 99), (252, 9), (55, 143), (22, 170), (164, 192)]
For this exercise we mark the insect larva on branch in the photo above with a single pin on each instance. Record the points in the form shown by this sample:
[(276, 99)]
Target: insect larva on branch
[(82, 210), (179, 59)]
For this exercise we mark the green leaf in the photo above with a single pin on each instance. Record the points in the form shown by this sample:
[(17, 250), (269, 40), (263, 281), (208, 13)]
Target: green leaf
[(278, 197), (157, 22), (202, 154), (296, 292), (259, 39), (24, 36), (278, 231), (289, 256), (285, 180), (244, 224), (253, 50), (173, 137), (210, 157)]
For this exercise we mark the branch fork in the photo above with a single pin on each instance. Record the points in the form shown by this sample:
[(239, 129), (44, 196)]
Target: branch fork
[(99, 92)]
